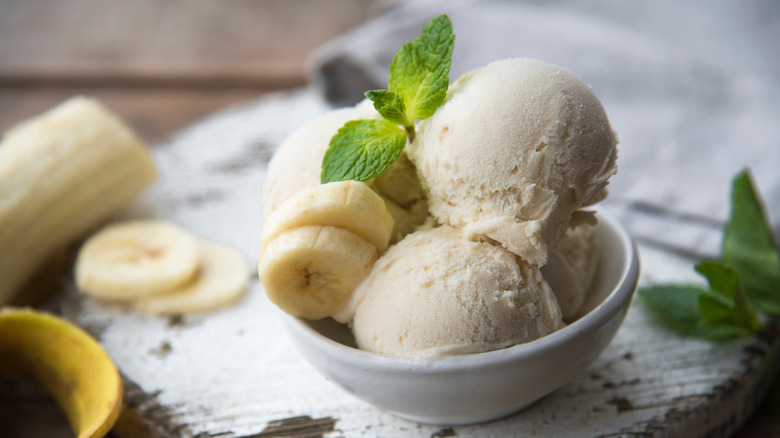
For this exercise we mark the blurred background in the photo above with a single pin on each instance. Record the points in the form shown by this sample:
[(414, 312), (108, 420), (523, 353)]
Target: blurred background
[(162, 65)]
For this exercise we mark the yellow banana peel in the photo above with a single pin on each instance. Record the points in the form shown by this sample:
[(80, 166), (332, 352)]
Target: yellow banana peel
[(65, 361)]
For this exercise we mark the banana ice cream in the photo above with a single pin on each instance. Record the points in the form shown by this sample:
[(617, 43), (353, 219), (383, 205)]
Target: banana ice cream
[(572, 267), (519, 147), (490, 246), (297, 162), (296, 166), (438, 293)]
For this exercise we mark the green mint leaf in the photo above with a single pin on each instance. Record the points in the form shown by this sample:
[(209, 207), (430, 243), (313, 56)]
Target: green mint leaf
[(745, 313), (419, 70), (362, 149), (418, 84), (723, 279), (678, 307), (390, 106), (715, 309), (725, 282), (750, 248)]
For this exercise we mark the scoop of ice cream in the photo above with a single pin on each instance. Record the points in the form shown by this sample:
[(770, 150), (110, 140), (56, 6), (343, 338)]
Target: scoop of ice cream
[(571, 268), (297, 165), (436, 292), (400, 187), (516, 149)]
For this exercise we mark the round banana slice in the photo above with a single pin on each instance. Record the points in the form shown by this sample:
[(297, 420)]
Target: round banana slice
[(222, 279), (310, 272), (350, 205), (135, 259)]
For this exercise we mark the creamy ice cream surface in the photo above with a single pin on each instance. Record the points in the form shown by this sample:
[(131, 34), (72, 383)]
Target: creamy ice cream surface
[(572, 267), (516, 150), (297, 163), (437, 292)]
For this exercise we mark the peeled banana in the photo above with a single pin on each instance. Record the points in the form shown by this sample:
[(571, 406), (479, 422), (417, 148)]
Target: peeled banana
[(68, 363), (318, 245), (61, 174)]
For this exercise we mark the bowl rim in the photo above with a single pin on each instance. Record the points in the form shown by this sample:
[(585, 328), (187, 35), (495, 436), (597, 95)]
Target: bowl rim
[(619, 297)]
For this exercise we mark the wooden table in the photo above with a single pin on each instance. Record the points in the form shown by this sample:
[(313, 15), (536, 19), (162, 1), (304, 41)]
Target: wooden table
[(161, 66)]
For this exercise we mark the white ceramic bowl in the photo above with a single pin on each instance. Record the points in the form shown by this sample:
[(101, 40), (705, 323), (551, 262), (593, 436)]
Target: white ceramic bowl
[(480, 387)]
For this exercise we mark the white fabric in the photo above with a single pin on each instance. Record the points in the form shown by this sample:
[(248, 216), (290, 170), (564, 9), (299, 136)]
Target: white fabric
[(692, 89)]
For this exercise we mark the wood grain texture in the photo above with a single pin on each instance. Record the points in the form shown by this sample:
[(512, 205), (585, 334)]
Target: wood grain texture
[(167, 42), (160, 64), (235, 374)]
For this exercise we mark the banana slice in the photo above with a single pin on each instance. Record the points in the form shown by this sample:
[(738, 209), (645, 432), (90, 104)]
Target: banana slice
[(350, 205), (135, 259), (311, 271), (221, 280), (65, 361)]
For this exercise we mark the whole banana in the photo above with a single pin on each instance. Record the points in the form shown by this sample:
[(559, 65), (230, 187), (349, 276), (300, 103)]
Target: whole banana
[(61, 174), (65, 361)]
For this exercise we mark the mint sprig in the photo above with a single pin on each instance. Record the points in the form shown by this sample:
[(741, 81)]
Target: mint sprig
[(362, 149), (417, 86), (746, 279), (390, 106), (419, 70), (679, 307), (750, 248), (729, 306)]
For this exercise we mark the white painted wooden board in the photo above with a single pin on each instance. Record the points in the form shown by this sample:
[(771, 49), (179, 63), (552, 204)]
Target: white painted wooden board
[(234, 373)]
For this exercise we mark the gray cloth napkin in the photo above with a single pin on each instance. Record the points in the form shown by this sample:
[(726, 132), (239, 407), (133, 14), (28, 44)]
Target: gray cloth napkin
[(692, 89)]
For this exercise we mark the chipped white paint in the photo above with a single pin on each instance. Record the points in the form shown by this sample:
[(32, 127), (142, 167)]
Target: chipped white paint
[(234, 372)]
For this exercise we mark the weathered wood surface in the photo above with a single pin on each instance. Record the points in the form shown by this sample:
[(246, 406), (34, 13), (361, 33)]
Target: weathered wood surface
[(234, 373), (161, 65)]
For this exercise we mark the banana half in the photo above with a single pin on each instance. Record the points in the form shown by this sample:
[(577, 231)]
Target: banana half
[(318, 245), (62, 174), (65, 361)]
